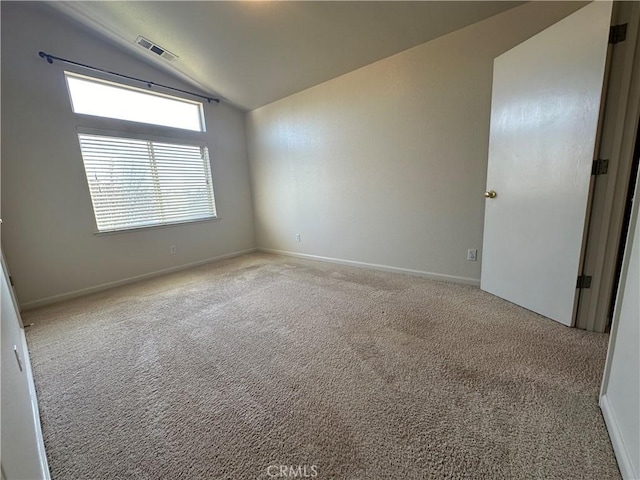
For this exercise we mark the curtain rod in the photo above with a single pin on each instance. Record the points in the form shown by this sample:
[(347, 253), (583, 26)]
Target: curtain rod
[(50, 58)]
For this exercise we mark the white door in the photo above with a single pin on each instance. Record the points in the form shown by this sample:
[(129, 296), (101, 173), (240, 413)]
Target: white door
[(544, 120), (22, 449)]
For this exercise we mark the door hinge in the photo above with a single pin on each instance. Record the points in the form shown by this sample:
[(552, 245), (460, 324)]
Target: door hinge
[(584, 281), (618, 33), (600, 167), (11, 281)]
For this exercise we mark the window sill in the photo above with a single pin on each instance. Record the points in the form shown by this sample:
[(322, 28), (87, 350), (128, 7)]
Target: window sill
[(154, 227)]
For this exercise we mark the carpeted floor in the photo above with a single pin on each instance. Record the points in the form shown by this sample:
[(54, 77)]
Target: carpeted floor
[(232, 370)]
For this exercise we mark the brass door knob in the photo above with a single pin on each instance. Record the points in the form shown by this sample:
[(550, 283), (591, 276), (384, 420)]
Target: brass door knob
[(490, 194)]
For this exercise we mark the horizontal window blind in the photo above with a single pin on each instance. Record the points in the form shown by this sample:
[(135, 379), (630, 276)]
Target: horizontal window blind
[(139, 183)]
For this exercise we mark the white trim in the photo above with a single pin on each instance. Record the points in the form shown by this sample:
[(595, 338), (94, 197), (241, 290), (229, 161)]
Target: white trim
[(42, 454), (199, 140), (617, 440), (35, 411), (125, 281), (385, 268), (635, 209), (14, 300), (103, 233)]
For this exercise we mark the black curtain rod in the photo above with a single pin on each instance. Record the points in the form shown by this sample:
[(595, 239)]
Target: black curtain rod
[(50, 58)]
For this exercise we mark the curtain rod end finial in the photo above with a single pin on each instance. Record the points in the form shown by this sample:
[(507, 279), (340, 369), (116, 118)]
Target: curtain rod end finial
[(46, 55)]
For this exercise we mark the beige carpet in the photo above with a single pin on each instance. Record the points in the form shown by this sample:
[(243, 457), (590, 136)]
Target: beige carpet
[(223, 371)]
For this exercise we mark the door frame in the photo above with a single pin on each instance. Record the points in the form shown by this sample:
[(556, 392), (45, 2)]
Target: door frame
[(14, 300), (617, 143), (33, 429)]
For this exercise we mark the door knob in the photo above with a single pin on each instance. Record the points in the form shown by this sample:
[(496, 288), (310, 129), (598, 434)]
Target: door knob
[(490, 194)]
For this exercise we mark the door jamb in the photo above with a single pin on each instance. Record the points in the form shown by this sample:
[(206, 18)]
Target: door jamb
[(609, 199)]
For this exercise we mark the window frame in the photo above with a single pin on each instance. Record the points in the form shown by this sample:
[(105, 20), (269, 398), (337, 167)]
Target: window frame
[(112, 127), (149, 93)]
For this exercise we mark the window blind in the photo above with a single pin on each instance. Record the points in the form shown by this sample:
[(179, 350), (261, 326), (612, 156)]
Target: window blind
[(140, 183)]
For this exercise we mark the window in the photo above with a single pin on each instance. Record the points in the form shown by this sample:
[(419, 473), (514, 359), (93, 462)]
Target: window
[(136, 179), (140, 183), (91, 96)]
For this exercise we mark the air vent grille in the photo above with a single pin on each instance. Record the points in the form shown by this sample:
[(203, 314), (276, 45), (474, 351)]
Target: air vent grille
[(158, 50)]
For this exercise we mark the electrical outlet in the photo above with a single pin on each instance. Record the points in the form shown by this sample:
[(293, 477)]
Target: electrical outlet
[(173, 249), (297, 237), (472, 254)]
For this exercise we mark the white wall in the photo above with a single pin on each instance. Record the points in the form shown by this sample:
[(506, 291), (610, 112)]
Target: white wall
[(620, 399), (387, 164), (48, 229)]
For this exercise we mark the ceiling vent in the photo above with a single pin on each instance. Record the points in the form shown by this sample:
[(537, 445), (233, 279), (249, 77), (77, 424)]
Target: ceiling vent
[(158, 50)]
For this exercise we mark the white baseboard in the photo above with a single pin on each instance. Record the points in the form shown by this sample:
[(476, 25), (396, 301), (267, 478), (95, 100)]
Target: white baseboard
[(384, 268), (125, 281), (617, 440)]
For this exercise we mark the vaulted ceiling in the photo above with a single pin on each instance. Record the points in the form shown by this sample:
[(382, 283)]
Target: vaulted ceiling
[(252, 53)]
